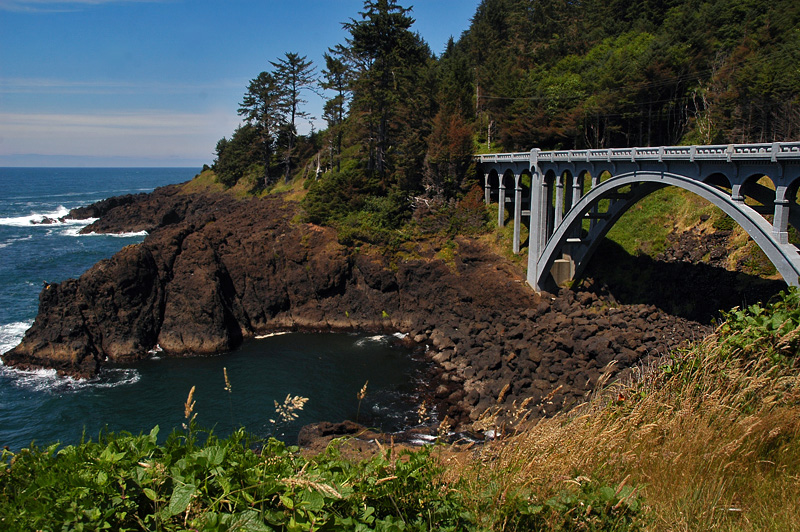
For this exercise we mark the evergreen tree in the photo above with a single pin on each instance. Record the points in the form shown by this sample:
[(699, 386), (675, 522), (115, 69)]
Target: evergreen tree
[(294, 74), (337, 78), (389, 60), (238, 155), (261, 108)]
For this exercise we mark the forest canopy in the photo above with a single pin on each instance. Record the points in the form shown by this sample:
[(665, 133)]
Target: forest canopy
[(552, 74)]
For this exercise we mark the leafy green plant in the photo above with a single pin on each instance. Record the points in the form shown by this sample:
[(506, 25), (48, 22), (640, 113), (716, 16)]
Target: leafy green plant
[(774, 329), (724, 223)]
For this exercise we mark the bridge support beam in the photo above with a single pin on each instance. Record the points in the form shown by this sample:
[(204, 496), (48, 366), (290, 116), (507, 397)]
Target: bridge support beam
[(501, 204), (537, 236), (559, 206), (577, 190), (487, 189), (517, 212)]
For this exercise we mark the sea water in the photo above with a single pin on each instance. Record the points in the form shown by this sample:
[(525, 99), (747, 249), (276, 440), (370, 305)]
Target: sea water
[(41, 407)]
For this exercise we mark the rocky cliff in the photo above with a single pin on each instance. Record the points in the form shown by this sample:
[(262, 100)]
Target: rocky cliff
[(215, 271)]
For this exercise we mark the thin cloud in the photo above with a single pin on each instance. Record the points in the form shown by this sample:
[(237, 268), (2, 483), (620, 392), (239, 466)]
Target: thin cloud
[(128, 134), (56, 6), (101, 87)]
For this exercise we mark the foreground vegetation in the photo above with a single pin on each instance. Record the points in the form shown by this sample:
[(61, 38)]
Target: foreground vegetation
[(710, 439)]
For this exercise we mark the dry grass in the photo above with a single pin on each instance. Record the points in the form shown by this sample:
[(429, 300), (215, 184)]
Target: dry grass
[(712, 443)]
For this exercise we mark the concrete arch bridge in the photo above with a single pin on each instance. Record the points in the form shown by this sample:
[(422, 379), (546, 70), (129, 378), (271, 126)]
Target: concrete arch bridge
[(557, 190)]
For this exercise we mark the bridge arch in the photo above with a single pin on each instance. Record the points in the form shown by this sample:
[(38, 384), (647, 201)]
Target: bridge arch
[(783, 255)]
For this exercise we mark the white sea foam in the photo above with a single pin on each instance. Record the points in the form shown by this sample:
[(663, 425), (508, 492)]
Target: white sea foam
[(422, 439), (76, 232), (11, 335), (48, 380), (270, 335), (377, 339), (27, 221), (400, 336), (157, 350)]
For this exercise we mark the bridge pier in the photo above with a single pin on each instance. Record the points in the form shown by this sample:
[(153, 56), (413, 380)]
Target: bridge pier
[(559, 206), (487, 189), (517, 212), (501, 204)]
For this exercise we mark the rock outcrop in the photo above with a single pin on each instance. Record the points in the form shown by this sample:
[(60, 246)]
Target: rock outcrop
[(215, 271)]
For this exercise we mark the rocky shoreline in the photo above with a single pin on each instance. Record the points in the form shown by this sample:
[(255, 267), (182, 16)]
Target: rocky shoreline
[(215, 271)]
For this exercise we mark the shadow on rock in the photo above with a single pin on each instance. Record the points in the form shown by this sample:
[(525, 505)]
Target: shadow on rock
[(695, 291)]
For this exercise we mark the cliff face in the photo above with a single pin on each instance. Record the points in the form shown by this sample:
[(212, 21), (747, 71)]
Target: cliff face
[(214, 271)]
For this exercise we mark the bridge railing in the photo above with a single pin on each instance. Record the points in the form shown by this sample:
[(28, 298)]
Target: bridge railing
[(774, 151)]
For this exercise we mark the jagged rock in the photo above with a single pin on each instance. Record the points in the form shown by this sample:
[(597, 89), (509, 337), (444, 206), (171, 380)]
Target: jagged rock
[(215, 271)]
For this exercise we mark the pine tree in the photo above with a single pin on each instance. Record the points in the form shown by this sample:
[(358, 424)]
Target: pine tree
[(261, 107), (337, 78), (295, 74), (388, 59)]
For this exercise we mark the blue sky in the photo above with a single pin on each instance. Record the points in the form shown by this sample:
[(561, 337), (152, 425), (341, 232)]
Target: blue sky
[(158, 82)]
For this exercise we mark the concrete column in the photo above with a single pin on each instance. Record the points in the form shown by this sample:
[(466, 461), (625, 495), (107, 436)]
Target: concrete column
[(535, 223), (487, 190), (559, 207), (501, 204), (517, 212), (780, 221), (577, 190)]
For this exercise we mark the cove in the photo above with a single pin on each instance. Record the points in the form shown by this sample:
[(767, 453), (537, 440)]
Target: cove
[(327, 368)]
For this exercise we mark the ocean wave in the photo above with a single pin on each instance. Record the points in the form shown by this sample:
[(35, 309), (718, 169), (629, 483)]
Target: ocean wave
[(27, 221), (76, 232), (11, 335), (377, 339), (35, 219), (48, 380), (13, 240)]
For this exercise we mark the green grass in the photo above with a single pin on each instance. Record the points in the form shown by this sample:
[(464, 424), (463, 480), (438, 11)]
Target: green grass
[(644, 228)]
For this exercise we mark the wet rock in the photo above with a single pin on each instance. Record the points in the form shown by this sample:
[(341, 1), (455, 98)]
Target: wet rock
[(215, 270)]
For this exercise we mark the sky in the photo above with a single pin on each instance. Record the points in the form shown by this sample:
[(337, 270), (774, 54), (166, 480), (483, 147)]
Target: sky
[(158, 82)]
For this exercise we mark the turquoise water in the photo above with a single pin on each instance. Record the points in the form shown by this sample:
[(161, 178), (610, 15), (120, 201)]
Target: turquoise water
[(328, 369)]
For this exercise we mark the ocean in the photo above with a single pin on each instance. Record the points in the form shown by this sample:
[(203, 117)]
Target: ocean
[(40, 407)]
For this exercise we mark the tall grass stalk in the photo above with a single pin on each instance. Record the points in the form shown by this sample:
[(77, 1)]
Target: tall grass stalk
[(711, 440)]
